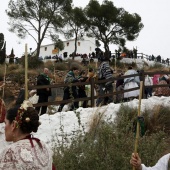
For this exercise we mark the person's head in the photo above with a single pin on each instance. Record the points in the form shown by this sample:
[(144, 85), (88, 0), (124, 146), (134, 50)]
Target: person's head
[(46, 71), (75, 70), (21, 120)]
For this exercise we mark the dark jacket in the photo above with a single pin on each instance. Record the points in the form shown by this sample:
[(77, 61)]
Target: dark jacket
[(43, 79), (70, 78)]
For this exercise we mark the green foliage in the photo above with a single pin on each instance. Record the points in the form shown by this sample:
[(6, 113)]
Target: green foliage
[(19, 77), (109, 24), (2, 48), (59, 44), (97, 43), (12, 67), (11, 57), (118, 64), (156, 66), (73, 22), (36, 17), (1, 40), (61, 66), (109, 145), (33, 62)]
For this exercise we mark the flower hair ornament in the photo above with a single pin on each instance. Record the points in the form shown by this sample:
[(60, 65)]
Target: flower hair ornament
[(21, 110)]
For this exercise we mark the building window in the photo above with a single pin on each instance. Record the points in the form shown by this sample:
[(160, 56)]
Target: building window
[(90, 48), (67, 43), (45, 49), (78, 43)]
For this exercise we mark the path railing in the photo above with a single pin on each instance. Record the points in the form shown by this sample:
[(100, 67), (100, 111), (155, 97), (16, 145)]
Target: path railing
[(92, 84)]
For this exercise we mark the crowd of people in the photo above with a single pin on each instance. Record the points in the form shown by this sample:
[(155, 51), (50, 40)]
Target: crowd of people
[(121, 83)]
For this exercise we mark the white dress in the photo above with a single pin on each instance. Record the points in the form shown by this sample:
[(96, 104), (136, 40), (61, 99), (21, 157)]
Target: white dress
[(3, 143), (162, 164), (22, 156)]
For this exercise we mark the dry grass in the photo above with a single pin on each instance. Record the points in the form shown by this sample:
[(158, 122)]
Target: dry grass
[(109, 145), (96, 119)]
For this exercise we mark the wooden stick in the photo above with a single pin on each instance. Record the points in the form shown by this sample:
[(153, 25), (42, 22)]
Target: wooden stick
[(26, 73), (3, 90), (115, 63), (138, 128), (54, 73)]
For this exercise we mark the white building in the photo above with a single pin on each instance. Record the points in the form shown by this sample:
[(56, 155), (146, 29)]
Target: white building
[(85, 45)]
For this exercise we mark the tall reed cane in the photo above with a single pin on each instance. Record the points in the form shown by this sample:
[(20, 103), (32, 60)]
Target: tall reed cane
[(26, 73), (138, 128), (3, 90)]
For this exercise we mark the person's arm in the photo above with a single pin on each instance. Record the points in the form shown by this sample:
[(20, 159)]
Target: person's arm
[(136, 161), (162, 163)]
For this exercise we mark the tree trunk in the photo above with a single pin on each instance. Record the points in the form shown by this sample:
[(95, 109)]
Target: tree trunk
[(107, 50), (75, 44), (38, 50)]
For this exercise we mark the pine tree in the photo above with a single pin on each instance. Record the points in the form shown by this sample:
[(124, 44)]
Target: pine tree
[(11, 57)]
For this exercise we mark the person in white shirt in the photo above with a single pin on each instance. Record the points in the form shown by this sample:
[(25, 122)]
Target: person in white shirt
[(162, 164), (131, 82)]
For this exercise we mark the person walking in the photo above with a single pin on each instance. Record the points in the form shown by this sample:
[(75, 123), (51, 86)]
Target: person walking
[(70, 92), (162, 164), (131, 82), (43, 79), (105, 72), (81, 89), (90, 75)]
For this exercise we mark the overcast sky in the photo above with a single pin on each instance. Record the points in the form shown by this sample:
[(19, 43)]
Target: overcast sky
[(153, 39)]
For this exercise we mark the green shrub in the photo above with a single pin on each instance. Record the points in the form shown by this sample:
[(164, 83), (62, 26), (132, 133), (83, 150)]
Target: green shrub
[(156, 66), (61, 66), (33, 62), (108, 145), (12, 67)]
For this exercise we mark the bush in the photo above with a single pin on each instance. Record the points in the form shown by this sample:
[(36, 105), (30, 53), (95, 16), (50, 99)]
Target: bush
[(109, 145), (156, 66), (12, 67), (61, 66), (33, 62)]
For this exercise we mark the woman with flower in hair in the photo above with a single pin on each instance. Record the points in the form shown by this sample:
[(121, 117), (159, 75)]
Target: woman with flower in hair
[(26, 152)]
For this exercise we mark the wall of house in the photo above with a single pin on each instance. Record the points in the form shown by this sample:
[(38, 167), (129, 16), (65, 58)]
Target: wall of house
[(46, 50), (85, 46)]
